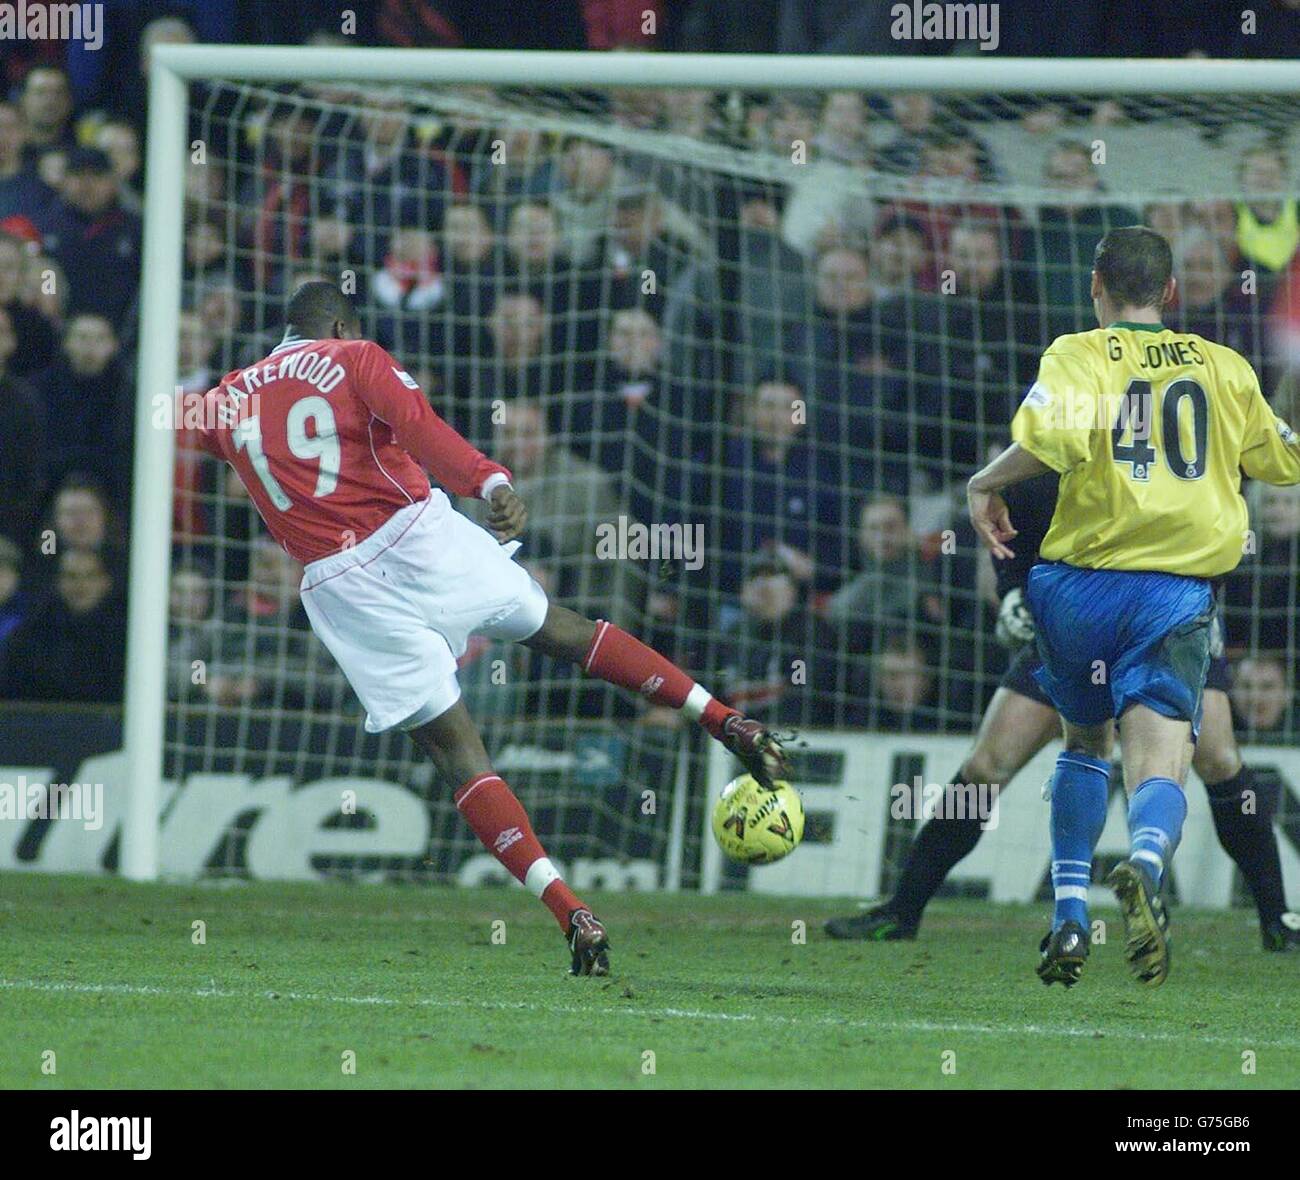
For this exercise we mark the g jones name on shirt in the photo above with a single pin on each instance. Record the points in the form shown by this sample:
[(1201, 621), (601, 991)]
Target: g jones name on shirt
[(1174, 353)]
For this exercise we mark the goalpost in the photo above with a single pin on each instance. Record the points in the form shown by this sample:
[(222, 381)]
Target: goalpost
[(590, 97)]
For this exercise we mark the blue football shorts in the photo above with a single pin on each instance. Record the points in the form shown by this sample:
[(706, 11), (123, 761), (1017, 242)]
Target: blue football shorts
[(1109, 639)]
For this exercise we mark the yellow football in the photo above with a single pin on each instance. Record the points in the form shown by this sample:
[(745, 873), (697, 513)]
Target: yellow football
[(756, 826)]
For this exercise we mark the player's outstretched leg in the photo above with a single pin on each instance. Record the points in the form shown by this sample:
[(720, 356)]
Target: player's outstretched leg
[(1243, 808), (498, 818), (1015, 727), (1080, 790), (1157, 752), (609, 653)]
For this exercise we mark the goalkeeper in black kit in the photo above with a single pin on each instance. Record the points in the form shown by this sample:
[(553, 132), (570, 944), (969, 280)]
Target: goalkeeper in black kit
[(1020, 721)]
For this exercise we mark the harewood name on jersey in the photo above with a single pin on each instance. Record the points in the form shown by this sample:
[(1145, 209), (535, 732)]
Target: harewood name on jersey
[(331, 437)]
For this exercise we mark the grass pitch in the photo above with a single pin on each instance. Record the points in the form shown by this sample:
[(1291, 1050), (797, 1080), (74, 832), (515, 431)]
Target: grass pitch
[(706, 992)]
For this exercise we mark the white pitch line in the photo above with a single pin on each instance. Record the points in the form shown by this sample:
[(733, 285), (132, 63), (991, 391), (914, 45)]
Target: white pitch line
[(898, 1026)]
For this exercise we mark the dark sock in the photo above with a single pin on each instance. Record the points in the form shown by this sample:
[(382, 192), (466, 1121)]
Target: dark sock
[(1244, 824), (939, 845)]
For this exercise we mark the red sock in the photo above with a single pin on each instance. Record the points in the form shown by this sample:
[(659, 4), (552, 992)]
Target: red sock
[(501, 823), (622, 659)]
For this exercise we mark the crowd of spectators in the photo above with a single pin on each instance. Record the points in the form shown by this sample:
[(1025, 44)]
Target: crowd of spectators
[(802, 355)]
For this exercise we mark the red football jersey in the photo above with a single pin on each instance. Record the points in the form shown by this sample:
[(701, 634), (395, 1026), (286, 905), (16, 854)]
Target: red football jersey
[(329, 438)]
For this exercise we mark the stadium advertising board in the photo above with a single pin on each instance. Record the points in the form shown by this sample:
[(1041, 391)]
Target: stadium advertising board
[(281, 815), (863, 793), (282, 803)]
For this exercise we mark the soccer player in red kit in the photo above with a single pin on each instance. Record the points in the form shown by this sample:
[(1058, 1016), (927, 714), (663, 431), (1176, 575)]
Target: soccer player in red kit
[(332, 439)]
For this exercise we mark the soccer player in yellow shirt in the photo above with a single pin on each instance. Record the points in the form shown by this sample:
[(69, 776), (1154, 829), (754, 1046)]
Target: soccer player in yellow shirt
[(1150, 430)]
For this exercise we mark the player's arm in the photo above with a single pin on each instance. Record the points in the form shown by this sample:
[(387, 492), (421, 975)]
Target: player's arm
[(506, 513), (1052, 430), (988, 510), (1270, 449), (393, 396)]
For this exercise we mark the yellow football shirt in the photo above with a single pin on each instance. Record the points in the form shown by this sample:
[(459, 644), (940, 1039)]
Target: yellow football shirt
[(1150, 430)]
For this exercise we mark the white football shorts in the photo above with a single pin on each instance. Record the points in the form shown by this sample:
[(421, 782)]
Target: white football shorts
[(396, 611)]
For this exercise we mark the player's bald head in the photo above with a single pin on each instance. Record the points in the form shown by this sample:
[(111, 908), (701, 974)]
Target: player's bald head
[(320, 310), (1134, 264)]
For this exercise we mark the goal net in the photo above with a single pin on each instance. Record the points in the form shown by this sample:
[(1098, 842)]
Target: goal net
[(741, 349)]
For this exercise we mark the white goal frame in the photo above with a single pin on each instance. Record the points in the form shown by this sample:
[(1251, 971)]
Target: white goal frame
[(172, 67)]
